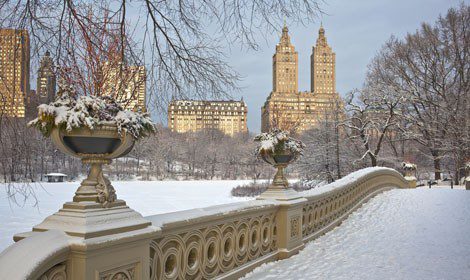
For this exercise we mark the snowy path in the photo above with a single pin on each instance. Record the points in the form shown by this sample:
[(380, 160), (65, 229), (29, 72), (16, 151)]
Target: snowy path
[(400, 234), (148, 198)]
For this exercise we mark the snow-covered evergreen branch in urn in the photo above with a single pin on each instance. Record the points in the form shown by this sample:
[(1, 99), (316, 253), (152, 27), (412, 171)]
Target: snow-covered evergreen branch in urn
[(70, 111), (278, 142)]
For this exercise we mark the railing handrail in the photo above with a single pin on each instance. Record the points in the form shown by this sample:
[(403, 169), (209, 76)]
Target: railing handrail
[(350, 180), (223, 241), (198, 215), (35, 254)]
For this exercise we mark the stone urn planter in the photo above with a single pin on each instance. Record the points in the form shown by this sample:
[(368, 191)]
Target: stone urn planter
[(96, 130), (280, 162), (409, 170), (95, 147), (279, 150)]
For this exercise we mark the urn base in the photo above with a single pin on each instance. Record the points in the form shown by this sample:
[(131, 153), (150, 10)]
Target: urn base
[(90, 220)]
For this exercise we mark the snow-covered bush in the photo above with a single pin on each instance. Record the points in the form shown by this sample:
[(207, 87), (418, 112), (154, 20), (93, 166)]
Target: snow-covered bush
[(407, 166), (278, 142), (69, 112)]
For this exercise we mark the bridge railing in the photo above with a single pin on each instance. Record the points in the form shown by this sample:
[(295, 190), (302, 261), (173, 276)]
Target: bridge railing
[(328, 206), (222, 242)]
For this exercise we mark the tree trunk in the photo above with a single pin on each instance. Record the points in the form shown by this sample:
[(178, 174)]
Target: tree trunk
[(437, 165), (373, 160)]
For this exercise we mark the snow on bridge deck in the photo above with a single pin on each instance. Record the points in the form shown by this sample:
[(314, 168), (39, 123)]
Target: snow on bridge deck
[(400, 234)]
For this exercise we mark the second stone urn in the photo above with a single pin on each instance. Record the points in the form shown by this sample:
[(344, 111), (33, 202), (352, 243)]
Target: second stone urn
[(279, 161), (410, 169), (278, 149)]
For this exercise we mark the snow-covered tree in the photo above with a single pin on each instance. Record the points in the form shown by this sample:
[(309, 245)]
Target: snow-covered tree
[(372, 113), (432, 67)]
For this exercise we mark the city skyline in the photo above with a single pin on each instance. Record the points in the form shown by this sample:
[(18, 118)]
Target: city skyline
[(350, 31), (355, 41), (14, 71)]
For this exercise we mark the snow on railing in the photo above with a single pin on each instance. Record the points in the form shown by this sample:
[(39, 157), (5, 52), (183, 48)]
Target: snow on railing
[(223, 242), (329, 205), (40, 256), (227, 241)]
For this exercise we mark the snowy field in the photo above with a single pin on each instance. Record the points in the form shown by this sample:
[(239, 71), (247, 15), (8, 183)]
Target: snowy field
[(148, 198), (400, 234)]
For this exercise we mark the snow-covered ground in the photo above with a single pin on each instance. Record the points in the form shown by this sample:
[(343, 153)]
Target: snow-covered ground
[(400, 234), (457, 187), (148, 198)]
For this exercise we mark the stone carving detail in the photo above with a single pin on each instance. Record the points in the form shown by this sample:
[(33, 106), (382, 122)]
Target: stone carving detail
[(106, 192), (208, 251), (319, 213), (126, 272), (295, 227), (57, 272)]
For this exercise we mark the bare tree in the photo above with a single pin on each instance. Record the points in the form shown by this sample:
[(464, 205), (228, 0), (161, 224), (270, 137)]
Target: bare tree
[(431, 66), (326, 155), (181, 42), (370, 117)]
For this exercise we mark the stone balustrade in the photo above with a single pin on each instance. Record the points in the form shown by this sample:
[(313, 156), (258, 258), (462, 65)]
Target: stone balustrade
[(209, 242), (222, 242), (326, 209)]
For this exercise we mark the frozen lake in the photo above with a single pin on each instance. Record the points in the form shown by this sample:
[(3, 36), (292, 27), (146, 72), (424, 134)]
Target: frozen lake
[(148, 198)]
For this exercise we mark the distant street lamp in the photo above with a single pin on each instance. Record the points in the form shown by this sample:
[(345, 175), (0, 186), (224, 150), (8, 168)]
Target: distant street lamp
[(467, 177)]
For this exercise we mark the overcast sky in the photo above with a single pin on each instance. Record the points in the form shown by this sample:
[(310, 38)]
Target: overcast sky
[(354, 29)]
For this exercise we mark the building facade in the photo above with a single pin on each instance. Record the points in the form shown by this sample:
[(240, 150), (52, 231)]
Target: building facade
[(14, 72), (288, 109), (285, 65), (127, 84), (191, 116), (46, 80)]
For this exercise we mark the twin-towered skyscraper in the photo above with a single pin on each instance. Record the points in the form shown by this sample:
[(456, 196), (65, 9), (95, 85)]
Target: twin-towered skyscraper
[(287, 108)]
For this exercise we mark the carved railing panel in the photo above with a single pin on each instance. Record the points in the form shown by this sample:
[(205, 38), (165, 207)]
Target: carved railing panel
[(57, 272), (208, 251)]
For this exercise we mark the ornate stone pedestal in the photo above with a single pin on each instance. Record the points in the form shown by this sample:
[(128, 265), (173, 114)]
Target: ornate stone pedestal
[(411, 181), (289, 216), (279, 189), (108, 240)]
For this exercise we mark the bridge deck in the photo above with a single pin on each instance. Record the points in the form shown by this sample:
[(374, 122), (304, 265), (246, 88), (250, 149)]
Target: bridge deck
[(400, 234)]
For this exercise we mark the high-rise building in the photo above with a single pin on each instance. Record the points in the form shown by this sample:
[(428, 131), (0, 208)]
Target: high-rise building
[(288, 109), (14, 71), (46, 81), (322, 66), (127, 84), (285, 65), (226, 116)]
